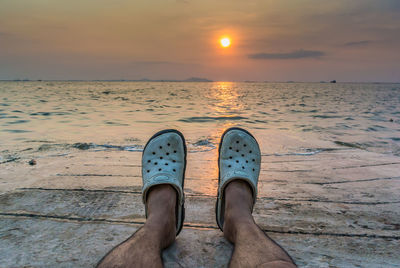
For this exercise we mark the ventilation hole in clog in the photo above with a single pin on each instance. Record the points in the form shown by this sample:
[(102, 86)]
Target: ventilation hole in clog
[(237, 151), (244, 145), (174, 170), (242, 155), (175, 152), (160, 147), (254, 169), (169, 144), (174, 161), (230, 148), (148, 171), (229, 166), (247, 161), (159, 169), (253, 160), (230, 157), (161, 157), (166, 164), (167, 153), (237, 141), (250, 152), (237, 161), (148, 161), (242, 167), (155, 163), (154, 153)]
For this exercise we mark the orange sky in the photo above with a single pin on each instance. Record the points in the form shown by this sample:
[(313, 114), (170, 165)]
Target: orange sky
[(302, 40)]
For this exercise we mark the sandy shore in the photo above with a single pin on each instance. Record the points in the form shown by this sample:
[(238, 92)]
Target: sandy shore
[(337, 208)]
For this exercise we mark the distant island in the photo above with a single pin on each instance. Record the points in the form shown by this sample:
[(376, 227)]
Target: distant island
[(197, 79), (191, 79)]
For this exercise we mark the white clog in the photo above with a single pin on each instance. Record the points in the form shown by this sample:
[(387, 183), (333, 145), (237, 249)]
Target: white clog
[(239, 158), (164, 162)]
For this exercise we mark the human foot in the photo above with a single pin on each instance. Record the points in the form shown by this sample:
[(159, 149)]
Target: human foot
[(253, 248), (239, 159), (164, 162), (163, 176), (239, 167), (161, 215), (238, 207)]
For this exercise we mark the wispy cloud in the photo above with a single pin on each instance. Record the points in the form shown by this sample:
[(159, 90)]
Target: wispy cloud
[(357, 43), (297, 54)]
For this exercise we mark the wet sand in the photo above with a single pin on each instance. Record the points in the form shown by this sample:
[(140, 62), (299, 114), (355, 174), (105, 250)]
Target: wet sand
[(339, 207)]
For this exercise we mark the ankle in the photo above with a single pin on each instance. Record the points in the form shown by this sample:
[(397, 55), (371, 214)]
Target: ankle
[(238, 201), (161, 234), (238, 208), (161, 203), (161, 218), (234, 226), (238, 194)]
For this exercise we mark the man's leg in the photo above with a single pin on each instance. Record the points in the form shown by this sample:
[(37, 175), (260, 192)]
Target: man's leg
[(143, 248), (253, 248)]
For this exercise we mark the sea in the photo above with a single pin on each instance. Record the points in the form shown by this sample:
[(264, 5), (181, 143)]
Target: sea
[(286, 118)]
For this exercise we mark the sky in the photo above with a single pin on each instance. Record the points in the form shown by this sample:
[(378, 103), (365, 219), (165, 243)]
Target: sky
[(297, 40)]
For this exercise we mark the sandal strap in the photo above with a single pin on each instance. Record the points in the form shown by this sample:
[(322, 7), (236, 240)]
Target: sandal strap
[(163, 178)]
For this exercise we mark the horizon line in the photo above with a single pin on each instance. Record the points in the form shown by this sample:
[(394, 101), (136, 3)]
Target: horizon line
[(188, 81)]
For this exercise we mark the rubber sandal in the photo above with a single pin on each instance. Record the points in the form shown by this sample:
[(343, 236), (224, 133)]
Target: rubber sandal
[(239, 158), (164, 162)]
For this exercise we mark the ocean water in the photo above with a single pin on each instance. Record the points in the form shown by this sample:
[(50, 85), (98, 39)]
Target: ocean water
[(300, 118)]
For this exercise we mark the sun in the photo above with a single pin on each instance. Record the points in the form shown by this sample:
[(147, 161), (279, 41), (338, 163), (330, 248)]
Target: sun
[(225, 42)]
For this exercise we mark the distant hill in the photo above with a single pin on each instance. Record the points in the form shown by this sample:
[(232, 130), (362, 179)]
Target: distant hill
[(191, 79), (197, 79)]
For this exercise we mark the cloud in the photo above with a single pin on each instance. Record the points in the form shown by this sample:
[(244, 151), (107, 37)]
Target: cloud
[(297, 54), (392, 5), (357, 43)]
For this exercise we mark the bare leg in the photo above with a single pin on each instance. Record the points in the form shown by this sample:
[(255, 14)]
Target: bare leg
[(253, 248), (143, 248)]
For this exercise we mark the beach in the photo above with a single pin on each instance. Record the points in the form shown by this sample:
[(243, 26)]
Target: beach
[(70, 168)]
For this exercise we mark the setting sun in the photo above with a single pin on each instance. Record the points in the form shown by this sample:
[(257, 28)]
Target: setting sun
[(225, 42)]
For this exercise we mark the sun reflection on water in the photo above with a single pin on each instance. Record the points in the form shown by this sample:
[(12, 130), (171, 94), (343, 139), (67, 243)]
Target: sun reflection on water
[(226, 99), (225, 102)]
